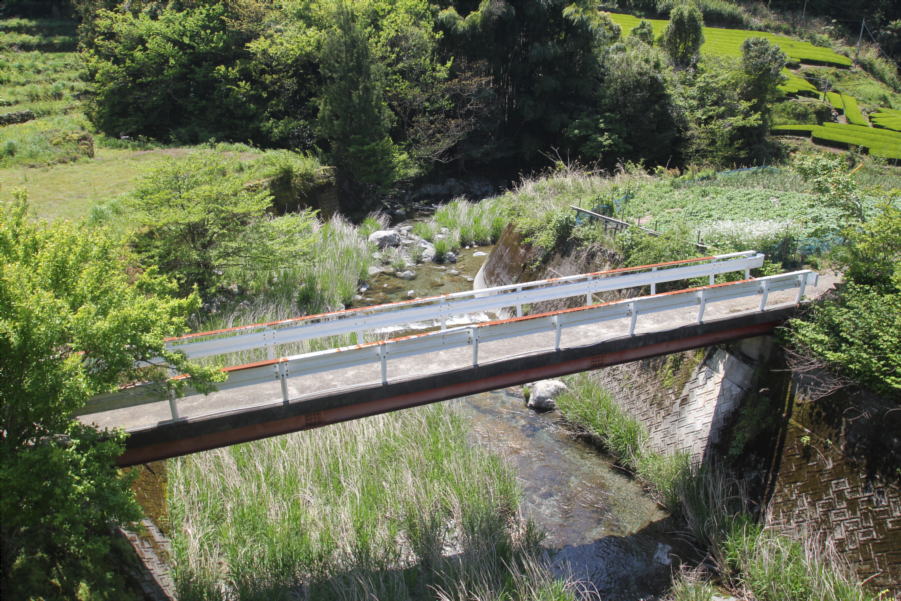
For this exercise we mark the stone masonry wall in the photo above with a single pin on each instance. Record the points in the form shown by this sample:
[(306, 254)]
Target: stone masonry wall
[(685, 400), (838, 476)]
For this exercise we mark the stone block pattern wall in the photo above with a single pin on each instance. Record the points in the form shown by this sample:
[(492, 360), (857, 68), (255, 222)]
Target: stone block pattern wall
[(681, 417), (821, 489)]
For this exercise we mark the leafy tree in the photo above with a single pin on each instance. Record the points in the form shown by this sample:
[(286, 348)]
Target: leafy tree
[(684, 34), (177, 75), (834, 185), (201, 222), (353, 115), (717, 118), (74, 320), (644, 32), (857, 332), (637, 118), (543, 61), (762, 64)]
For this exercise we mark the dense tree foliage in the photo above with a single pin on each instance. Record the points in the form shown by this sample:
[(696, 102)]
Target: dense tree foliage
[(202, 224), (389, 89), (173, 76), (684, 34), (353, 114), (73, 322), (857, 332)]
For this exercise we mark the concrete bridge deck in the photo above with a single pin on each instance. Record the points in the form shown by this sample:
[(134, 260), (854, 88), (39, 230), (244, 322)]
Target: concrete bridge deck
[(275, 396)]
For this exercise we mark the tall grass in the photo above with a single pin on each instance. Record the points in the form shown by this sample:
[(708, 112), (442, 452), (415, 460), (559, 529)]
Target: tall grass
[(774, 567), (399, 507), (590, 406), (472, 223), (716, 510), (342, 261)]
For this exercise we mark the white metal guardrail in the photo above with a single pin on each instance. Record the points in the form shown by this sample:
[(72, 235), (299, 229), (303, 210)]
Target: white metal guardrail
[(379, 353), (442, 308)]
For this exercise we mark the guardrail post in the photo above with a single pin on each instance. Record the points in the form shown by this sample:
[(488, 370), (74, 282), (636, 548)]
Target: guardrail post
[(269, 336), (712, 279), (474, 341), (653, 284), (633, 312), (173, 405), (588, 294), (519, 306), (383, 359), (557, 332), (802, 283), (703, 302), (765, 290), (283, 378), (442, 310), (747, 273)]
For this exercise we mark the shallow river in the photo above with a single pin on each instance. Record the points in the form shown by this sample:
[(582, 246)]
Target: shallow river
[(601, 526)]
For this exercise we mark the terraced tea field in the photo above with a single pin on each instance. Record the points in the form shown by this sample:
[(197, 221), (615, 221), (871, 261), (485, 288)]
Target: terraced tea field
[(887, 119), (848, 106), (883, 143), (727, 42)]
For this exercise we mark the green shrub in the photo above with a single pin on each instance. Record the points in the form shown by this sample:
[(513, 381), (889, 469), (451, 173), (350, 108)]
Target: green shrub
[(801, 111)]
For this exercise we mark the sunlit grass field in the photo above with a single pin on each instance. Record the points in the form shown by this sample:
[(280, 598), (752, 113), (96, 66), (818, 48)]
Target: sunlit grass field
[(393, 507)]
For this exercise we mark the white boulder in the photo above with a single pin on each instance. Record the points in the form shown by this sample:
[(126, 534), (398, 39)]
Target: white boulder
[(543, 393), (383, 238)]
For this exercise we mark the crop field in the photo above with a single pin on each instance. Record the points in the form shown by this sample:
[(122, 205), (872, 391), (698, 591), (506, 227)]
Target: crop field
[(727, 42), (797, 86), (879, 142), (887, 119), (40, 72), (847, 105)]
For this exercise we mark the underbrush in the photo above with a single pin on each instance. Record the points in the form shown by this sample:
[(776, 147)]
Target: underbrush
[(716, 510), (397, 506), (56, 139)]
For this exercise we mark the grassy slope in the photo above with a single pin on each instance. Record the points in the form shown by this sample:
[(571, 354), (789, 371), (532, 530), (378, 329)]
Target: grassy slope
[(41, 72), (69, 191), (49, 157)]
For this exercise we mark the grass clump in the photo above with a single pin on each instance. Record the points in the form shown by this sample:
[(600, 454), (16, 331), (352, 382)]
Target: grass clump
[(774, 567), (398, 506), (593, 408), (477, 223)]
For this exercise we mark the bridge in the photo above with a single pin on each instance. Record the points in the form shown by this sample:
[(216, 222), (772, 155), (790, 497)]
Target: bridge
[(316, 370)]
